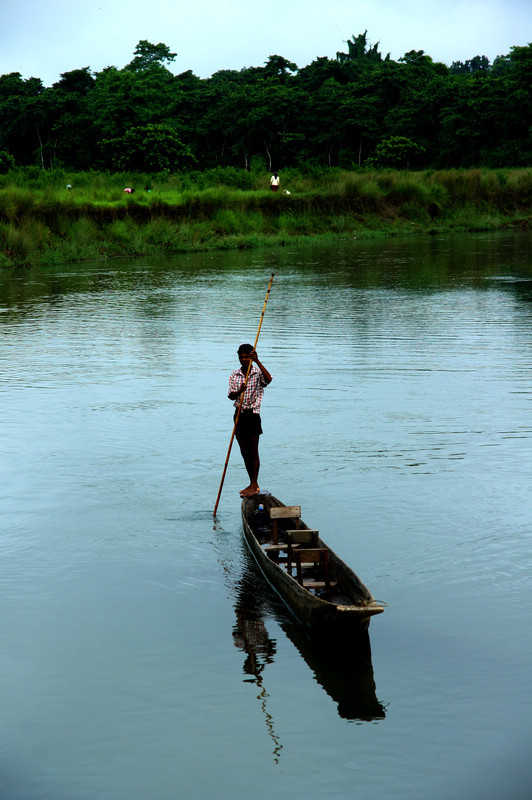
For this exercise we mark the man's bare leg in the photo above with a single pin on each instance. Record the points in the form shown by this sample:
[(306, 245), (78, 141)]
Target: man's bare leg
[(250, 454)]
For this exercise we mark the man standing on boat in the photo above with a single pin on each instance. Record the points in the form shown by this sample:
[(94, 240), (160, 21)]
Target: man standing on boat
[(249, 426)]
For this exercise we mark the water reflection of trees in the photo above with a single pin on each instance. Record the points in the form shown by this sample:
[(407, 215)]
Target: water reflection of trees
[(342, 667)]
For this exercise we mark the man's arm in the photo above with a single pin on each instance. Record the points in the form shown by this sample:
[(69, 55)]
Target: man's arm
[(267, 377), (237, 393), (235, 390)]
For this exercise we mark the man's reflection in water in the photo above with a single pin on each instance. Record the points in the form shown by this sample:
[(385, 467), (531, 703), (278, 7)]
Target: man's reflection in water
[(251, 636)]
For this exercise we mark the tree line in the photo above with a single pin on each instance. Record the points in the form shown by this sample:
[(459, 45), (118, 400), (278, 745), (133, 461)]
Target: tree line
[(360, 109)]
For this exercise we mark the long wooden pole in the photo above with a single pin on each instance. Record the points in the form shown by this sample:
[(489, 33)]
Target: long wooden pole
[(241, 400)]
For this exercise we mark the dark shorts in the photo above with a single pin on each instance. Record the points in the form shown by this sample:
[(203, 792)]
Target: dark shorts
[(249, 425)]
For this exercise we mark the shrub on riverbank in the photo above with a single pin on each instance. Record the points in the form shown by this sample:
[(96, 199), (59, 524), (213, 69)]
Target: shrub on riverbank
[(58, 216)]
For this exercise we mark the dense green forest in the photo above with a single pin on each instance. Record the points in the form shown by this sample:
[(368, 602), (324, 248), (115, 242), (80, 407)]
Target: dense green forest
[(361, 109)]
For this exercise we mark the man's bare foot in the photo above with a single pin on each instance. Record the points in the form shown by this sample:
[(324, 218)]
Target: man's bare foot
[(249, 491)]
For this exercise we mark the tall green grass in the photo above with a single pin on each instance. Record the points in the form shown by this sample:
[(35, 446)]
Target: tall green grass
[(42, 220)]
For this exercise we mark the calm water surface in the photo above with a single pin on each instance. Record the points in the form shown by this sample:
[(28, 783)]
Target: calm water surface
[(141, 655)]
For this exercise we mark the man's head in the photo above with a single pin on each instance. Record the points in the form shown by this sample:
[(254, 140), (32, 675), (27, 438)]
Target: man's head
[(244, 351)]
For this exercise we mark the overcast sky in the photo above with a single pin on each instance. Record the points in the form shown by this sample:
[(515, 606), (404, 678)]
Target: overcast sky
[(43, 38)]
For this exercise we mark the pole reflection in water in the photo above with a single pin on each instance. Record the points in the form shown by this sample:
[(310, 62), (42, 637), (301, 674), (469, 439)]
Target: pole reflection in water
[(343, 668), (251, 636)]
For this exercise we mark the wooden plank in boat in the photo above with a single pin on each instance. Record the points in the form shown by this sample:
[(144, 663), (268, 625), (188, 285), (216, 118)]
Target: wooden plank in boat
[(319, 584), (285, 512), (303, 536)]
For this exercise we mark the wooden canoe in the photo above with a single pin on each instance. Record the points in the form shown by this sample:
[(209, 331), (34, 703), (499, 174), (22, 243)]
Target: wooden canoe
[(320, 590)]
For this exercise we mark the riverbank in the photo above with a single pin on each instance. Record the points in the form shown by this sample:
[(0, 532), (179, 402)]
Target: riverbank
[(60, 217)]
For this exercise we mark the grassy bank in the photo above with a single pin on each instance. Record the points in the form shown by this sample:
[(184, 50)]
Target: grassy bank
[(43, 221)]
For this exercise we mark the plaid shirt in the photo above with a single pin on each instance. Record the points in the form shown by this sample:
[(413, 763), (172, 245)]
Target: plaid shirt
[(254, 389)]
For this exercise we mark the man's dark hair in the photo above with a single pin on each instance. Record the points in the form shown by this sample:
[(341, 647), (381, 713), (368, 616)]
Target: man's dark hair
[(245, 348)]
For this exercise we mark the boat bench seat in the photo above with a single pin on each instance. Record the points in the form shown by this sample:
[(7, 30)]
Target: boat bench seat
[(294, 539), (314, 557), (303, 536), (283, 512), (319, 584), (273, 551), (301, 548)]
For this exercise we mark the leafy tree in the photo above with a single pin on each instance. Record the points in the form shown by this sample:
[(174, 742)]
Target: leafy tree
[(469, 121), (520, 66), (476, 64), (279, 67), (415, 57), (69, 122), (149, 148), (77, 82), (362, 124), (123, 99), (415, 112), (359, 49), (7, 162), (148, 55), (395, 152), (500, 65), (514, 114), (324, 123), (311, 77), (19, 128), (479, 64), (226, 136)]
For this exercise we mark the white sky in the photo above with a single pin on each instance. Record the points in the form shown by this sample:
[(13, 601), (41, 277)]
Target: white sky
[(43, 38)]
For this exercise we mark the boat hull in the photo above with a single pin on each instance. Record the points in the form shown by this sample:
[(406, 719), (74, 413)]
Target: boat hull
[(321, 615)]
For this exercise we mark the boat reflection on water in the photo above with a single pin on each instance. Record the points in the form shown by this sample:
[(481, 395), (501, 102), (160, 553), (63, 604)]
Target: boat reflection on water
[(342, 668), (345, 671)]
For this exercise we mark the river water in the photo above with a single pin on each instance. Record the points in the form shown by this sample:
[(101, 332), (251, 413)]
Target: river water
[(141, 654)]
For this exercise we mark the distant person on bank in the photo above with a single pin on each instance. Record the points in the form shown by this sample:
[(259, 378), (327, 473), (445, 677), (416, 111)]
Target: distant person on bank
[(274, 182)]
